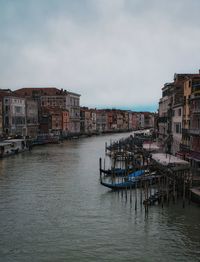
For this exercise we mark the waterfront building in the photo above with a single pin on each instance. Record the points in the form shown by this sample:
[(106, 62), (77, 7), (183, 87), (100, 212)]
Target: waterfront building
[(73, 106), (185, 142), (54, 120), (1, 117), (195, 125), (52, 97), (120, 120), (177, 117), (179, 120), (14, 115), (101, 120), (32, 124), (148, 120), (135, 120), (125, 115), (141, 120), (130, 121), (111, 119), (164, 117), (86, 120), (65, 123), (94, 120)]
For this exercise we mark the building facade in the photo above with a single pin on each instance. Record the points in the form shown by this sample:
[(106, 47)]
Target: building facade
[(14, 115), (1, 117), (59, 99), (101, 121), (195, 126), (32, 124), (73, 106)]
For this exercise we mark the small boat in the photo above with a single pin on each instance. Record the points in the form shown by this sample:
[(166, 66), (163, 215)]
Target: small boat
[(13, 146), (43, 139), (122, 185), (128, 182), (137, 173), (115, 171)]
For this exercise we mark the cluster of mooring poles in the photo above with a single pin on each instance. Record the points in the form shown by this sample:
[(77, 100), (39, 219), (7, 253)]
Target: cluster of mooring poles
[(142, 176)]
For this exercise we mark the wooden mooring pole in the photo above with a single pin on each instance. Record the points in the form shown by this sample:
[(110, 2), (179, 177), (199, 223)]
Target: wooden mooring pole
[(100, 168)]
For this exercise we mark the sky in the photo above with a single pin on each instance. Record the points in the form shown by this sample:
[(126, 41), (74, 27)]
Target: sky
[(115, 53)]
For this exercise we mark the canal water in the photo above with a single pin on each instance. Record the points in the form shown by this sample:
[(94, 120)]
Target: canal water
[(52, 208)]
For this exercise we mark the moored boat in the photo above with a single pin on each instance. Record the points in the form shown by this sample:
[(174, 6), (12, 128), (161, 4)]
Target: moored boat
[(127, 182), (116, 171), (13, 146), (122, 185)]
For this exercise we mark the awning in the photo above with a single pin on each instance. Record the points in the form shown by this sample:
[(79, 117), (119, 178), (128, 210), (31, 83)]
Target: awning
[(180, 153), (195, 156)]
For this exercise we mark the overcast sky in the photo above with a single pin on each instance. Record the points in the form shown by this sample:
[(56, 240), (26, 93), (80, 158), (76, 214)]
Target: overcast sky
[(115, 53)]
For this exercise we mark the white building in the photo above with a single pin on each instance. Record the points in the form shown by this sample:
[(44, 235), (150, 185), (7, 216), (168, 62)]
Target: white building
[(73, 106), (14, 115)]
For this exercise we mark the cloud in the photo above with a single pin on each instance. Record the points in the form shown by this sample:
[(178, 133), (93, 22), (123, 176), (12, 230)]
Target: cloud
[(115, 53)]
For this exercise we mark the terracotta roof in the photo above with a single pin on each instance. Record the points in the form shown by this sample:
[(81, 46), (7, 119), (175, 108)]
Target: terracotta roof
[(8, 92), (29, 91)]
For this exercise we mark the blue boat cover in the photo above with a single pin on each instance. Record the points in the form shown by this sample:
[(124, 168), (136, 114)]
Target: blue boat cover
[(136, 173)]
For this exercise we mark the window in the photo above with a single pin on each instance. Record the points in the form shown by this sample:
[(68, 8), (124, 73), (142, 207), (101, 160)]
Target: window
[(7, 109), (177, 128), (18, 109)]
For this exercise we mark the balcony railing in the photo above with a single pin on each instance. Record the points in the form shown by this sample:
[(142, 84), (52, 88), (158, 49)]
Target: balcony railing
[(184, 147), (195, 96), (196, 110), (194, 131), (162, 119), (185, 131)]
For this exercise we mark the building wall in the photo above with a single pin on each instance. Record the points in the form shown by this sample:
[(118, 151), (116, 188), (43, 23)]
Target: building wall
[(53, 101), (135, 121), (120, 120), (14, 116), (94, 121), (86, 121), (73, 106), (56, 122), (53, 97), (185, 143), (177, 128), (130, 122), (65, 122), (1, 117), (141, 120), (31, 118), (101, 121)]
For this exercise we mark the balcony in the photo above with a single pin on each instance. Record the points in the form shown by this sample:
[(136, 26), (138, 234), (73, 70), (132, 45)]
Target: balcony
[(196, 87), (194, 131), (162, 119), (195, 96), (195, 110), (184, 147), (185, 131)]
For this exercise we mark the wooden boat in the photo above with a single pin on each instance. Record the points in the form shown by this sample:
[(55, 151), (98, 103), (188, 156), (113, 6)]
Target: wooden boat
[(128, 182), (122, 185), (115, 171), (137, 173)]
